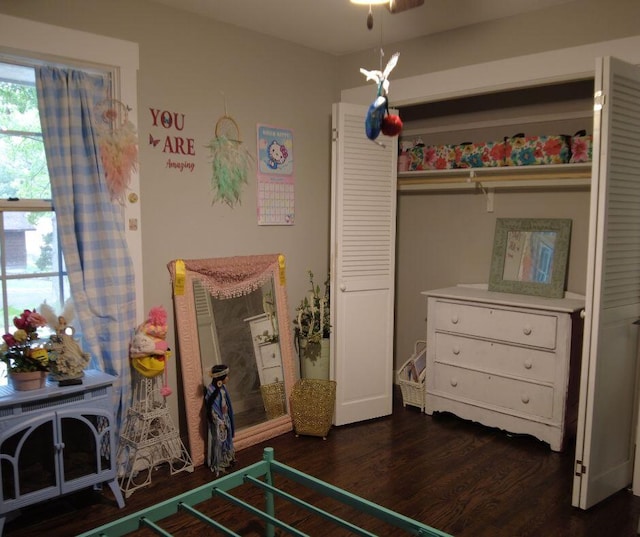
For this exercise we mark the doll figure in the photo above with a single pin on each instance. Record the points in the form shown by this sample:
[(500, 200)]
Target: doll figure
[(220, 452)]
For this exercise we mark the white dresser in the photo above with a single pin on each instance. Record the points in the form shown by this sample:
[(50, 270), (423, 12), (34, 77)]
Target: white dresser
[(504, 360), (267, 352)]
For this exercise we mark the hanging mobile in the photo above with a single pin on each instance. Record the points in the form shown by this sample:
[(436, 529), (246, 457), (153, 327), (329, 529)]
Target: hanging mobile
[(378, 118), (230, 161)]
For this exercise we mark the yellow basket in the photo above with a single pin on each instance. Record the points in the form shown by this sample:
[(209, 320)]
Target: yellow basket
[(312, 405), (274, 399)]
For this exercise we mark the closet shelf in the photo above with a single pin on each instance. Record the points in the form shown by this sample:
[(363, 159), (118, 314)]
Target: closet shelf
[(544, 176)]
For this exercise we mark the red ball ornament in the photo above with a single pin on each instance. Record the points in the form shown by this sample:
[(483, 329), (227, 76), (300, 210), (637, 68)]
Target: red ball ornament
[(391, 125)]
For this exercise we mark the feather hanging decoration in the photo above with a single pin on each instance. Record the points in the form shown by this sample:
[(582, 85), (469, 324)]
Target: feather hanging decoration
[(230, 163), (118, 143), (119, 155)]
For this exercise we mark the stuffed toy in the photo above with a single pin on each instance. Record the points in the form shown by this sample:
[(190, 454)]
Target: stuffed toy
[(149, 338), (148, 350)]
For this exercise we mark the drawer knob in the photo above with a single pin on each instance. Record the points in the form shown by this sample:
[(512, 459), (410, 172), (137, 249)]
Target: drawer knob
[(528, 364), (527, 330), (456, 350), (524, 398), (454, 319), (454, 382)]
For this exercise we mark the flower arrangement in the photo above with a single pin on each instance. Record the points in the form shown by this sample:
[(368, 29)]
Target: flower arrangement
[(19, 351), (312, 321)]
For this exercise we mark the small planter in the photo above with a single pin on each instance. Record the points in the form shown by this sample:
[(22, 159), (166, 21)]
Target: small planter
[(28, 380), (314, 363)]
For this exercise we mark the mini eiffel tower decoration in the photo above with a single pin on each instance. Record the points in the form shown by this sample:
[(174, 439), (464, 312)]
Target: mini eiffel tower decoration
[(149, 438)]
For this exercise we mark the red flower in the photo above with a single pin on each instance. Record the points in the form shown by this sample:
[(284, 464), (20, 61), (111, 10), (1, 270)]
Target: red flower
[(22, 322), (441, 163), (497, 152), (9, 340), (553, 146)]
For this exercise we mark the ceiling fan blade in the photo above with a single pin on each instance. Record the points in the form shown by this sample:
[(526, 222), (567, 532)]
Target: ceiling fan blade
[(398, 6)]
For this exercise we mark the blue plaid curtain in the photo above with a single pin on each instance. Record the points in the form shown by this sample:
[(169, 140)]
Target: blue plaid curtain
[(90, 225)]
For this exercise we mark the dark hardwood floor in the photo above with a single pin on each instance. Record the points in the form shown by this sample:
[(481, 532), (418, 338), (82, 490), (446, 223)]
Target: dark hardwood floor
[(457, 476)]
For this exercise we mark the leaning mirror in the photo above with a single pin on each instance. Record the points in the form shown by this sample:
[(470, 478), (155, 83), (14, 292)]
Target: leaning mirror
[(231, 311), (530, 256)]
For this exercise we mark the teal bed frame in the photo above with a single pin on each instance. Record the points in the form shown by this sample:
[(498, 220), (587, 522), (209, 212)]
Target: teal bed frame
[(261, 475)]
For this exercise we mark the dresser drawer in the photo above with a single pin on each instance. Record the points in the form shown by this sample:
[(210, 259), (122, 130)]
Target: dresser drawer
[(272, 374), (270, 355), (495, 357), (490, 389), (527, 328)]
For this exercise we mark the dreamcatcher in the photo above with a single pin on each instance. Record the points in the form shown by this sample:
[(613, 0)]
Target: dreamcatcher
[(118, 145), (230, 161)]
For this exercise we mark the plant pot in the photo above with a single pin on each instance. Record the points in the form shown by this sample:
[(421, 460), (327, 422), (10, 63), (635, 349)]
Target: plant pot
[(28, 380), (314, 362)]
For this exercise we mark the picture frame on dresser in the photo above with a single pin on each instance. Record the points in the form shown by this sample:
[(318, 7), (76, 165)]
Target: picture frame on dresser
[(530, 256)]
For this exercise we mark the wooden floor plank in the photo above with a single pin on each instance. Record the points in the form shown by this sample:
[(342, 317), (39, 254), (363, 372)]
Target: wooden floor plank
[(460, 477)]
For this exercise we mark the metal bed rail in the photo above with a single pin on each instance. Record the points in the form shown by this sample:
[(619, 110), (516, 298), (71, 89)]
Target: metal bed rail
[(260, 474)]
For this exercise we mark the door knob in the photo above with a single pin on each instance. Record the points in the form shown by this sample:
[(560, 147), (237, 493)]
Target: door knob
[(343, 287)]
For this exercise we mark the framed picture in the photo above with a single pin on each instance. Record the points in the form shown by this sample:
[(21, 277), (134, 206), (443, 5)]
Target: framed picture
[(530, 256)]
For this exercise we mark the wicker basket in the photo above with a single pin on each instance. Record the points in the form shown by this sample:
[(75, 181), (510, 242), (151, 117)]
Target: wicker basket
[(312, 405), (412, 386), (274, 399)]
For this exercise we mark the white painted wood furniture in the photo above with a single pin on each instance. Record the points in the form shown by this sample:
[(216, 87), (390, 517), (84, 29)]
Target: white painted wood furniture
[(56, 440), (503, 360), (268, 358)]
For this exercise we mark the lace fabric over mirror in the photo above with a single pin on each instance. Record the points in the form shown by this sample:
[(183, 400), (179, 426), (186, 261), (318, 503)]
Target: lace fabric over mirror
[(231, 276)]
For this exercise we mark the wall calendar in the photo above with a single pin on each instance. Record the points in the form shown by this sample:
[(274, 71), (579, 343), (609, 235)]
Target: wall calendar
[(276, 180)]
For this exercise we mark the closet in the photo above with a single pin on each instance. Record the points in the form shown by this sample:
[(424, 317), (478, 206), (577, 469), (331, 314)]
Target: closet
[(605, 442)]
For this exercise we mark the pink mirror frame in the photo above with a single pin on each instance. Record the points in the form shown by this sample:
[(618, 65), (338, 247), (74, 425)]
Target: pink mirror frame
[(227, 277)]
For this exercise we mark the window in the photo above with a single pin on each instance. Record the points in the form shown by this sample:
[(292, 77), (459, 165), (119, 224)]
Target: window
[(31, 264)]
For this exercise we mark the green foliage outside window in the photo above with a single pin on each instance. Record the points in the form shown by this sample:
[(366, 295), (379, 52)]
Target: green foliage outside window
[(23, 165)]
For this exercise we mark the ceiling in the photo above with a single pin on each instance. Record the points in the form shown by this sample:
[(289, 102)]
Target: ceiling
[(339, 27)]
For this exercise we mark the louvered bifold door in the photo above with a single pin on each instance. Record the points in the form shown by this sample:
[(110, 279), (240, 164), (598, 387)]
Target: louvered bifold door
[(362, 267), (207, 333), (607, 414)]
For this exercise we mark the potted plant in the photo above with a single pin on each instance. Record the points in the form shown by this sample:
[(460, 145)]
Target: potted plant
[(312, 329), (27, 362)]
